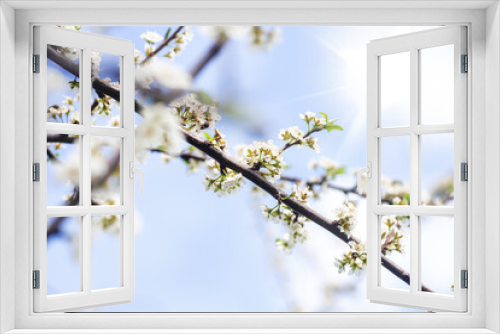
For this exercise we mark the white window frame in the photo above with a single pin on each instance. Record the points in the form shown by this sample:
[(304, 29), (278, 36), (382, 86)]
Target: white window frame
[(483, 21), (413, 44), (86, 43)]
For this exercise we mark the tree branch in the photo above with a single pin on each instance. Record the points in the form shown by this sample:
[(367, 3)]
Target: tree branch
[(98, 84), (280, 195), (162, 45), (224, 159), (211, 54)]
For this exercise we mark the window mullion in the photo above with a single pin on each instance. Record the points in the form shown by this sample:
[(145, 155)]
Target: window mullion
[(85, 191), (414, 172)]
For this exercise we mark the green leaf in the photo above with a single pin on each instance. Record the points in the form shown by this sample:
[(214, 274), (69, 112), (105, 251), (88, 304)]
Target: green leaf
[(332, 172), (407, 198), (207, 136), (167, 33), (330, 127), (324, 115)]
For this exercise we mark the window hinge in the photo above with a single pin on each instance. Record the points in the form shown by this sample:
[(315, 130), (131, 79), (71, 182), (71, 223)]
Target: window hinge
[(464, 171), (465, 64), (36, 63), (36, 172), (465, 279), (36, 279)]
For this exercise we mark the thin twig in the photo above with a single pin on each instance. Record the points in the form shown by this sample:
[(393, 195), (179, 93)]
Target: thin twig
[(162, 45), (296, 142), (209, 56)]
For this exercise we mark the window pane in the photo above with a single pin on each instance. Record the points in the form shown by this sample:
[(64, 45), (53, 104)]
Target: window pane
[(105, 170), (63, 170), (437, 85), (437, 169), (63, 255), (395, 89), (63, 88), (437, 253), (105, 109), (395, 170), (106, 252), (395, 245)]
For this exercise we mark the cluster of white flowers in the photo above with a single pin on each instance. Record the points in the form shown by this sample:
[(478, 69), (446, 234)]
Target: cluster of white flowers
[(311, 119), (164, 72), (266, 156), (282, 214), (180, 43), (217, 140), (345, 215), (292, 134), (69, 170), (137, 56), (301, 194), (395, 192), (330, 167), (295, 136), (355, 260), (222, 181), (264, 39), (103, 107), (99, 160), (194, 115), (95, 61), (77, 28), (391, 235), (223, 33), (106, 196), (108, 223), (57, 112), (160, 130), (71, 53), (151, 38)]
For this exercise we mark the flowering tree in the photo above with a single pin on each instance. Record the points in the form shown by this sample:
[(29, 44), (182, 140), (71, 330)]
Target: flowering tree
[(179, 122)]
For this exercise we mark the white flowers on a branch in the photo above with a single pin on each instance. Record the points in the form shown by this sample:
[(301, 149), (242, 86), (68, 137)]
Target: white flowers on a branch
[(260, 38), (163, 72), (222, 181), (180, 43), (194, 115), (391, 235), (264, 157), (354, 260), (346, 217), (160, 130), (263, 39)]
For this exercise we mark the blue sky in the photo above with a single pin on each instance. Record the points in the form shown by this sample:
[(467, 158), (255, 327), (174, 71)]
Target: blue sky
[(196, 252)]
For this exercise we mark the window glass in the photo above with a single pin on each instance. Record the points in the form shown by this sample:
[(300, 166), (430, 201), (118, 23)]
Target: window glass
[(395, 90)]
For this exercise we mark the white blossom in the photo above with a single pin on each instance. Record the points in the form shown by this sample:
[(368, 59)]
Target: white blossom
[(263, 39), (225, 32), (227, 183), (160, 129), (312, 142), (151, 37), (355, 260), (301, 194), (345, 215), (165, 73), (267, 156), (285, 244), (95, 60), (196, 116)]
